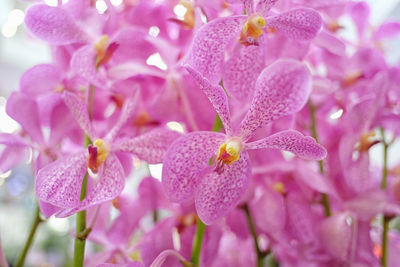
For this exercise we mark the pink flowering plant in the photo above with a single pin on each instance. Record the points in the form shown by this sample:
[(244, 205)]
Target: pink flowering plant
[(265, 121)]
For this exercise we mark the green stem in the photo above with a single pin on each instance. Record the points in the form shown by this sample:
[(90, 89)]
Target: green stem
[(385, 232), (385, 160), (155, 216), (36, 221), (260, 254), (91, 101), (197, 242), (386, 219), (325, 198), (80, 239)]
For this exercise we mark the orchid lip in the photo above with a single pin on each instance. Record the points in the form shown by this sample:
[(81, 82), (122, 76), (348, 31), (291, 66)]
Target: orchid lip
[(228, 152), (98, 153)]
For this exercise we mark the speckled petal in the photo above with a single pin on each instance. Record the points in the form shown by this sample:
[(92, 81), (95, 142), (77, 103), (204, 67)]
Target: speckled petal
[(59, 183), (281, 89), (184, 160), (25, 111), (109, 184), (150, 147), (217, 97), (217, 194), (292, 141), (300, 24), (242, 69), (40, 79), (53, 25), (83, 64), (248, 6), (263, 6), (79, 110), (207, 52), (127, 112)]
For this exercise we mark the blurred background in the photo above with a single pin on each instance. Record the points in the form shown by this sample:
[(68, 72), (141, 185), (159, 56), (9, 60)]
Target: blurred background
[(18, 52)]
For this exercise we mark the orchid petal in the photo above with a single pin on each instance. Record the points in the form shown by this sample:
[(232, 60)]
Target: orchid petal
[(83, 63), (359, 12), (11, 156), (269, 212), (47, 209), (53, 25), (159, 261), (130, 106), (217, 194), (336, 235), (209, 44), (60, 123), (12, 140), (59, 183), (150, 147), (25, 111), (242, 69), (184, 161), (292, 141), (387, 30), (217, 97), (281, 89), (248, 6), (79, 110), (40, 79), (301, 24), (263, 6)]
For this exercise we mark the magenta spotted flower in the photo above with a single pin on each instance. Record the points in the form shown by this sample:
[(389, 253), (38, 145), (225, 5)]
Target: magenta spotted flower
[(245, 35), (59, 183), (281, 89)]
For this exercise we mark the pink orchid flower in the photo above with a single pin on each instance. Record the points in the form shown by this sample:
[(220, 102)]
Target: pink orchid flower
[(59, 183), (281, 89), (242, 69)]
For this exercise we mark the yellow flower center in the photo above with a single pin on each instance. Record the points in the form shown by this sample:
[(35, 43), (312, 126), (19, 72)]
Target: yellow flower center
[(279, 187), (101, 47), (229, 152), (252, 29)]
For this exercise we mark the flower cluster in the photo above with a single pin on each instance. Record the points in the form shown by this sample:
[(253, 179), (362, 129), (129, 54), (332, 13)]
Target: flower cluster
[(280, 117)]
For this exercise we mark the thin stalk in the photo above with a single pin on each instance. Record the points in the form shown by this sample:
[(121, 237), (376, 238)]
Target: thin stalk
[(325, 198), (197, 242), (386, 219), (36, 221), (260, 254), (80, 239), (385, 160), (385, 232), (91, 101)]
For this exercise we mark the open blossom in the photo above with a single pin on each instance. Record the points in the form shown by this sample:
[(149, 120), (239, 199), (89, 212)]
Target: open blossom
[(248, 60), (281, 89), (59, 183)]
